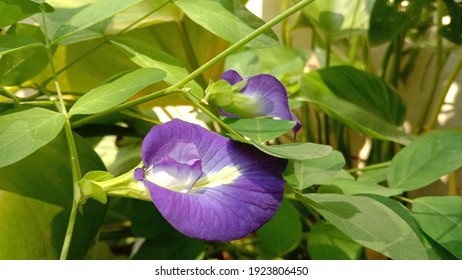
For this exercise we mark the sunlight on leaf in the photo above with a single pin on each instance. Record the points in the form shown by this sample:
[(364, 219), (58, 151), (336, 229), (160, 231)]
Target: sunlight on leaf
[(369, 223), (441, 219), (298, 151), (260, 130), (91, 15), (229, 20)]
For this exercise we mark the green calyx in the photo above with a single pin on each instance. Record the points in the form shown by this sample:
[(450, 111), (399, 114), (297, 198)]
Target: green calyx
[(100, 184), (219, 93), (231, 100)]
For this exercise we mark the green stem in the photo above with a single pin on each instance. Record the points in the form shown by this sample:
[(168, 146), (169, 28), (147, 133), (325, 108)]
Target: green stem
[(404, 199), (439, 65), (326, 123), (397, 45), (318, 115), (75, 165), (76, 176), (326, 119), (286, 34), (442, 96), (6, 93), (370, 167), (328, 51), (140, 116), (384, 65), (308, 135), (39, 103), (367, 57), (452, 183), (231, 131), (353, 50), (125, 186), (189, 50)]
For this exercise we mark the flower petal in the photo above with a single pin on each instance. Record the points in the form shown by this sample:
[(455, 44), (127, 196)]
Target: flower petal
[(231, 76), (241, 187)]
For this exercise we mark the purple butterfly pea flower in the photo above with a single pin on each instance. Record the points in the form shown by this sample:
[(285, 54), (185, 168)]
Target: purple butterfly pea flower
[(208, 186), (266, 97)]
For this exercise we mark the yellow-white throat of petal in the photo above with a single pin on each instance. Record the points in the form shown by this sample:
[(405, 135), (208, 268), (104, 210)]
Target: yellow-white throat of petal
[(225, 176)]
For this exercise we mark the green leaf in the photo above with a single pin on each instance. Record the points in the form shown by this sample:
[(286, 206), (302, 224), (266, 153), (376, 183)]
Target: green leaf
[(282, 233), (12, 43), (365, 90), (24, 132), (36, 195), (260, 130), (91, 15), (302, 174), (326, 242), (369, 223), (392, 18), (338, 18), (297, 151), (426, 159), (12, 11), (146, 56), (116, 92), (377, 175), (434, 251), (227, 19), (357, 99), (441, 219)]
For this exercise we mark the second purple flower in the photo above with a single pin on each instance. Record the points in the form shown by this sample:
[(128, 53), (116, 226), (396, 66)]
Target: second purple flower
[(261, 96)]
